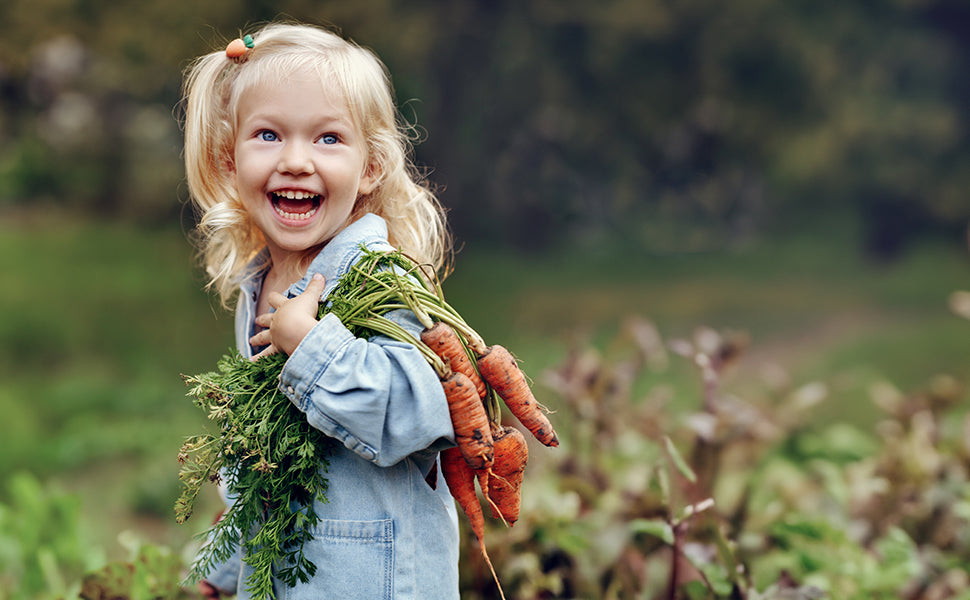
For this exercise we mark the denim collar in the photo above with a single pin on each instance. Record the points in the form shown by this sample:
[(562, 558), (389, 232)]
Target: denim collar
[(337, 256), (333, 260)]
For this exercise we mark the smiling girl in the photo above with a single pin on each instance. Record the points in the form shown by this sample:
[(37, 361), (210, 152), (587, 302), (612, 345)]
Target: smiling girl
[(295, 157)]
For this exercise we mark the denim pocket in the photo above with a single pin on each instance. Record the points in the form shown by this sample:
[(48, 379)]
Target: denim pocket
[(354, 559)]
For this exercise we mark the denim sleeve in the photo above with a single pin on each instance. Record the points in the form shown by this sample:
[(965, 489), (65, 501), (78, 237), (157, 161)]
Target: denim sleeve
[(225, 576), (379, 397)]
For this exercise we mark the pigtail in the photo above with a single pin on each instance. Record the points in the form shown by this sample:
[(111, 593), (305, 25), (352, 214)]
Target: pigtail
[(225, 235)]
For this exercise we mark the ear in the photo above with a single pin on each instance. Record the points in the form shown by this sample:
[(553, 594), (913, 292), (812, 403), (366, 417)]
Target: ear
[(229, 170), (228, 163), (369, 179)]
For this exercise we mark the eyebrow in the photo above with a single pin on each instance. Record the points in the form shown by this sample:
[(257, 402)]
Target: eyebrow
[(324, 121)]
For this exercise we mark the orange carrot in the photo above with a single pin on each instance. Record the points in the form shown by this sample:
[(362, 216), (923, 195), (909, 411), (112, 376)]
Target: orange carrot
[(499, 369), (461, 483), (505, 479), (443, 340), (472, 432), (460, 479)]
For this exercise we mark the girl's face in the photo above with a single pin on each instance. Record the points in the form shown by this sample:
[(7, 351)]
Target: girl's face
[(300, 162)]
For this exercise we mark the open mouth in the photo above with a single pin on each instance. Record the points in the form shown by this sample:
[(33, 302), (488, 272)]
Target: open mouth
[(295, 205)]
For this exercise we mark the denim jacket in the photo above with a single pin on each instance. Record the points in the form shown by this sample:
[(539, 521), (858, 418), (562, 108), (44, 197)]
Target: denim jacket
[(384, 532)]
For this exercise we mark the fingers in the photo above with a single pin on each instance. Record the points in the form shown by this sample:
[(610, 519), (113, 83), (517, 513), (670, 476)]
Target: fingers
[(263, 338), (276, 299), (208, 591), (317, 285), (267, 351), (264, 320), (290, 320), (311, 294), (310, 297)]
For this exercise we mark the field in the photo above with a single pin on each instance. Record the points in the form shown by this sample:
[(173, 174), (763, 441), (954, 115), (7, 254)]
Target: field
[(100, 319)]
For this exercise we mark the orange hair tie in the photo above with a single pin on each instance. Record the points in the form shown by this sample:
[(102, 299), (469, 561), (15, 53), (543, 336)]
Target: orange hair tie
[(238, 47)]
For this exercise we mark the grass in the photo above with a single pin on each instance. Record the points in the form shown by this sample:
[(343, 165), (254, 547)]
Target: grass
[(99, 320)]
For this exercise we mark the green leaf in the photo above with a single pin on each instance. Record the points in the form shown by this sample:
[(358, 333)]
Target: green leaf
[(695, 590), (727, 555), (679, 461), (655, 527), (572, 542), (663, 481)]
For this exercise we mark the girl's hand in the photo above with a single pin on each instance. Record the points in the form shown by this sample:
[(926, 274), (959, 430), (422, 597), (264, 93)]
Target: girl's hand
[(208, 591), (293, 319)]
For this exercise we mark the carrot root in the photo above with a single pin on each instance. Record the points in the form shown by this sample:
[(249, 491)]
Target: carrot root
[(472, 431), (460, 478), (505, 480), (444, 341), (501, 371)]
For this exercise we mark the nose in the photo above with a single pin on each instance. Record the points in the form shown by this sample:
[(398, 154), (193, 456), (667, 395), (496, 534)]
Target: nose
[(295, 159)]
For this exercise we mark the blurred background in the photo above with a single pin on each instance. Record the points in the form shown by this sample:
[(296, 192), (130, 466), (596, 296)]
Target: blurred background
[(794, 170)]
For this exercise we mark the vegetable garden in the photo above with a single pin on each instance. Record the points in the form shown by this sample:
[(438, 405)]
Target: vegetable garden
[(784, 460)]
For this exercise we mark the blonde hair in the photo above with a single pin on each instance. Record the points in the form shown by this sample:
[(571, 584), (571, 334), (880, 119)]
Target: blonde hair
[(228, 239)]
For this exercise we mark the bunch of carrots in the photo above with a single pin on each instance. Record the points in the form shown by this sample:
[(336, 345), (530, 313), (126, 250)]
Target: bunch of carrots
[(473, 376)]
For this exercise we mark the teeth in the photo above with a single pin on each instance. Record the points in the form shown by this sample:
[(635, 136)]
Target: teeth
[(297, 195), (296, 216)]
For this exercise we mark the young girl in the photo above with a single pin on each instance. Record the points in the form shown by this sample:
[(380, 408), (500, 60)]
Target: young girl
[(294, 158)]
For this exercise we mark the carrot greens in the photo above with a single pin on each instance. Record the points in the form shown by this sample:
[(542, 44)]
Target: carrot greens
[(274, 466)]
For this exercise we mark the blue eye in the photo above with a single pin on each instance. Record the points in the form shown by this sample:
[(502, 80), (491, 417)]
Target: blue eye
[(267, 136), (329, 138)]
